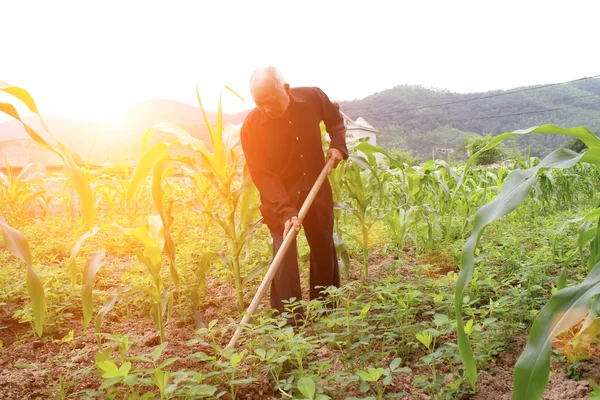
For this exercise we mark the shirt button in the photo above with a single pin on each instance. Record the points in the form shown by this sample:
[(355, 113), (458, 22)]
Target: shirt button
[(304, 173), (290, 122), (301, 155), (297, 138), (298, 192)]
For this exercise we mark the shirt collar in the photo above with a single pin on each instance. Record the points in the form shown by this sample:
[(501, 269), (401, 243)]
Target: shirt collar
[(293, 100)]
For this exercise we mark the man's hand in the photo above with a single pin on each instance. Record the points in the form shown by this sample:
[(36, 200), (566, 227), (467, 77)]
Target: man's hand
[(336, 156), (292, 222)]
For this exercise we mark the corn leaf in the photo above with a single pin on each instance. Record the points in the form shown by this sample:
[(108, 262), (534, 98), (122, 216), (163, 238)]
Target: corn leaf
[(36, 292), (183, 137), (217, 138), (10, 110), (564, 309), (580, 132), (108, 305), (72, 263), (15, 242), (513, 193), (18, 245), (82, 185), (88, 278), (152, 239), (562, 279), (165, 213), (78, 179), (143, 169)]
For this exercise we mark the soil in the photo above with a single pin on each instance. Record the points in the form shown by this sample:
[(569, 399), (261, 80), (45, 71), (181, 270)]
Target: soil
[(496, 382), (33, 368)]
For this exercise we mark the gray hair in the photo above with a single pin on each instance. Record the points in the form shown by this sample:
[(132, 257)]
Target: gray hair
[(270, 74)]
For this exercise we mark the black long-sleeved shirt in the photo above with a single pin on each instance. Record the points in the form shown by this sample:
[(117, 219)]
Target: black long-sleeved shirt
[(285, 155)]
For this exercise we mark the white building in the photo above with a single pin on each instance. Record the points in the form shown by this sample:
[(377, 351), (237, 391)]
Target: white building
[(360, 129)]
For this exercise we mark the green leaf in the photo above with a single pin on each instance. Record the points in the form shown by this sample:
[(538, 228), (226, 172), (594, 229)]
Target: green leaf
[(75, 250), (130, 380), (254, 273), (235, 359), (306, 386), (82, 185), (165, 213), (564, 309), (365, 310), (595, 395), (10, 110), (364, 386), (78, 179), (108, 305), (18, 245), (143, 169), (425, 338), (203, 390), (109, 368), (375, 373), (440, 319), (366, 376), (110, 382), (36, 292), (395, 364), (15, 242), (167, 362), (513, 193), (88, 278), (124, 369), (261, 353), (158, 351), (562, 279)]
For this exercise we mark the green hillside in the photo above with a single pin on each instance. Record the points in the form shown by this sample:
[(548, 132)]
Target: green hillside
[(405, 120)]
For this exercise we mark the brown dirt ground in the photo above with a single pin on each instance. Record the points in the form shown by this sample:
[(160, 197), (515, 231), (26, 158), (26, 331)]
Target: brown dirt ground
[(496, 382)]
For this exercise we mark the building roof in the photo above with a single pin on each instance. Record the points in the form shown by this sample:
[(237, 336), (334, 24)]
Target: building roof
[(360, 123)]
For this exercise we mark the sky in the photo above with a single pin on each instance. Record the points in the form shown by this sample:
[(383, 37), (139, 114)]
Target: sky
[(93, 59)]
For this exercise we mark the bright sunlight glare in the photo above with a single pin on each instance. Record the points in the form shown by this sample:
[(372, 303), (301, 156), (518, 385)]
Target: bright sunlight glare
[(95, 60)]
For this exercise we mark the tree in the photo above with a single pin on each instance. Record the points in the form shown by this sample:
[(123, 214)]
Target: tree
[(405, 156), (576, 145), (492, 156)]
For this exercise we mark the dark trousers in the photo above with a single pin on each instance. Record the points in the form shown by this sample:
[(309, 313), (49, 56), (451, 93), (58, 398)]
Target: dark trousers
[(324, 270)]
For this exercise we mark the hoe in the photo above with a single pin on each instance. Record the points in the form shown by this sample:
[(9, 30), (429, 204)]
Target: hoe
[(279, 256)]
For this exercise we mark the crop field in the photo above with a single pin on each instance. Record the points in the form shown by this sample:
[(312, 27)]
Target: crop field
[(458, 281)]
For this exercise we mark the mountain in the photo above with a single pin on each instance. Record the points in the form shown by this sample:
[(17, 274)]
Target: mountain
[(420, 119), (120, 141), (407, 117)]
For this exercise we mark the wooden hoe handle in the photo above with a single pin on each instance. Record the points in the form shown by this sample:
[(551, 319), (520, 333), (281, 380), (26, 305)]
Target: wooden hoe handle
[(279, 256)]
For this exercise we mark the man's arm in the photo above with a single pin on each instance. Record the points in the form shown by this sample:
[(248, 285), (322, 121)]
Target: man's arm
[(334, 122), (273, 193)]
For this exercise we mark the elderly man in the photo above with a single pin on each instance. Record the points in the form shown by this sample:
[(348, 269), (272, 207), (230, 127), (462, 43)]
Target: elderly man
[(281, 139)]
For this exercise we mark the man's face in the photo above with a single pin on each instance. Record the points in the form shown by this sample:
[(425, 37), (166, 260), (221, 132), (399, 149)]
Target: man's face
[(271, 99)]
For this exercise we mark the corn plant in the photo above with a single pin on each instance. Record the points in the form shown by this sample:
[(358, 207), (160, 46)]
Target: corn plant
[(234, 208), (88, 279), (338, 194), (567, 306), (19, 246), (79, 178), (21, 193), (363, 189), (151, 237)]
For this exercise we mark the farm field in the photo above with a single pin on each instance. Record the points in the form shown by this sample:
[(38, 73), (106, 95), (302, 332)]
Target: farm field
[(459, 281)]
